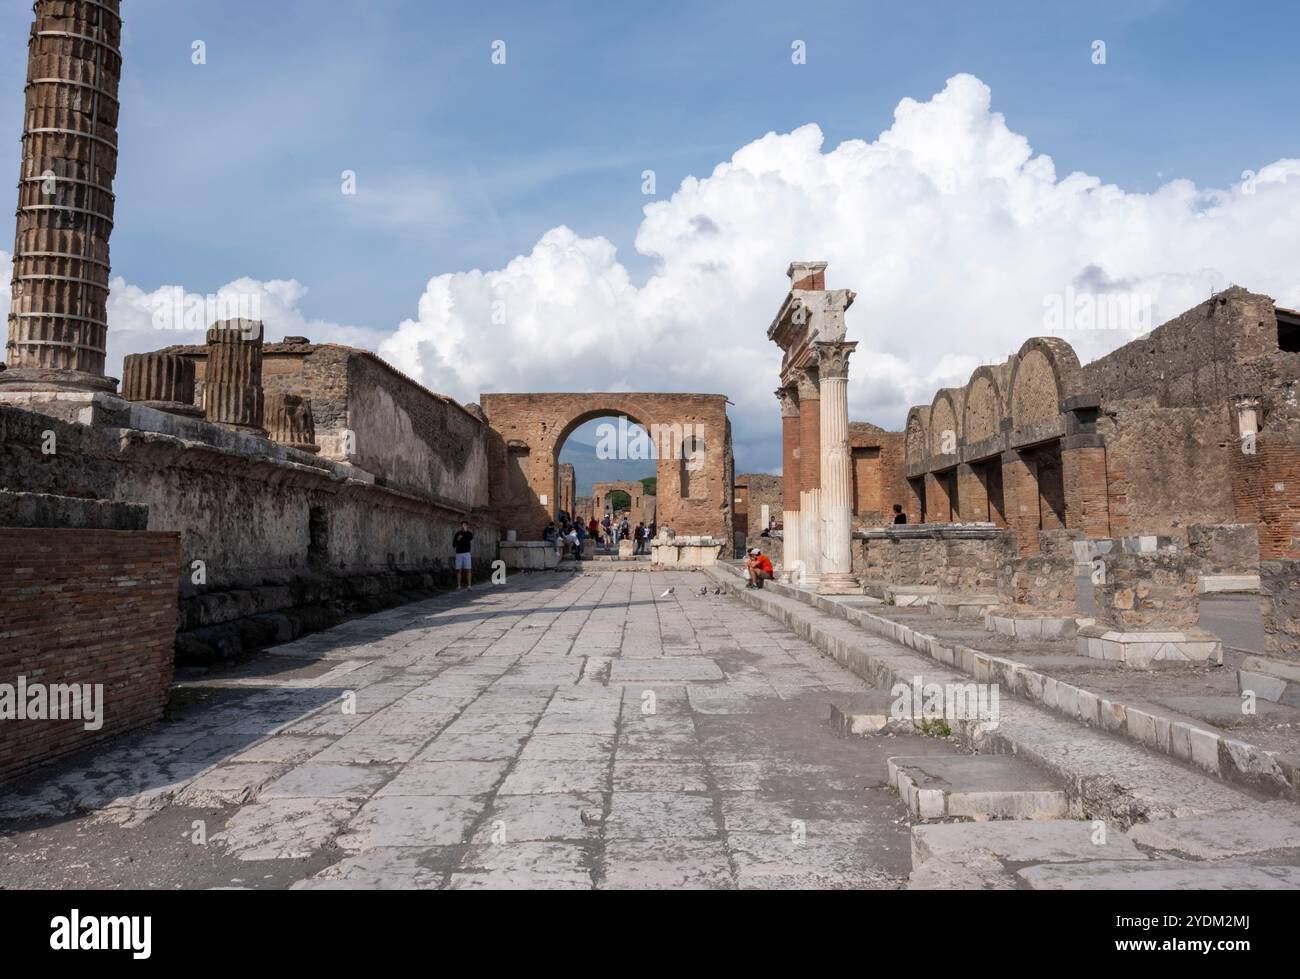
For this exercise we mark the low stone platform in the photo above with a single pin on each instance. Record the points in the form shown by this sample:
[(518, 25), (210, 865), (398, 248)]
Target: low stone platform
[(1147, 650), (976, 787), (869, 712)]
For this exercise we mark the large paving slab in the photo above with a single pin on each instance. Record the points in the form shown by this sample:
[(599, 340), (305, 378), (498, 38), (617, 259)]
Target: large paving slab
[(563, 731)]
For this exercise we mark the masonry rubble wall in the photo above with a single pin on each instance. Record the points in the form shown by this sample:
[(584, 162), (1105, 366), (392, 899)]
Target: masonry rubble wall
[(1043, 582), (1225, 549), (265, 530), (1279, 604), (1147, 584), (952, 558)]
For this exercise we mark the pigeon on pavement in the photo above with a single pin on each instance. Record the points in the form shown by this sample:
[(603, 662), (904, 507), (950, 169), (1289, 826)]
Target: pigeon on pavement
[(668, 592)]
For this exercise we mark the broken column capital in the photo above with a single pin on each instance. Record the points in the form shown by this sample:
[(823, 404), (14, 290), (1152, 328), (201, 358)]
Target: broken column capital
[(789, 398), (833, 359), (808, 384)]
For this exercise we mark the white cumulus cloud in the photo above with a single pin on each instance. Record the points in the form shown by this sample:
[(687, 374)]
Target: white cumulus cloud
[(959, 240)]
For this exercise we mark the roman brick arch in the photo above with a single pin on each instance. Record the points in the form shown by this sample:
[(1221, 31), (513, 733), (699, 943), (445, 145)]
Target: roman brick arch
[(916, 445), (642, 507), (528, 431), (983, 412), (1045, 372), (945, 425)]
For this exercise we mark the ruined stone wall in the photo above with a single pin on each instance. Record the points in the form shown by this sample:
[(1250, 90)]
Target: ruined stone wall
[(952, 560), (85, 606), (1167, 468), (1044, 581), (1147, 591), (1201, 357), (369, 414), (1279, 604), (1225, 548), (274, 528)]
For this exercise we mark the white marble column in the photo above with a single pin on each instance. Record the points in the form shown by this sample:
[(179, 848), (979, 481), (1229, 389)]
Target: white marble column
[(836, 503), (789, 399)]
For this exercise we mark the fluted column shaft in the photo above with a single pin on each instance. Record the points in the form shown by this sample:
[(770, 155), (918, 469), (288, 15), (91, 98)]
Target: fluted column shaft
[(836, 470), (232, 388), (58, 323), (790, 478)]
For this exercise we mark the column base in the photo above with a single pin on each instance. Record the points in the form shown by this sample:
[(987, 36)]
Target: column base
[(838, 583), (53, 379)]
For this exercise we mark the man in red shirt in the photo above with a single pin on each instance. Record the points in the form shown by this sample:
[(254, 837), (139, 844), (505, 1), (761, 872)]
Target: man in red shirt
[(757, 569)]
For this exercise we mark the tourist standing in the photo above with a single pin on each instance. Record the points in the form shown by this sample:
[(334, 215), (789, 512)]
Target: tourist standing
[(899, 515), (463, 543)]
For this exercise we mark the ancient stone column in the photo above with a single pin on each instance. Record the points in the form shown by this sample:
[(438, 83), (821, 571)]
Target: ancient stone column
[(789, 399), (289, 421), (58, 320), (161, 380), (836, 470), (232, 387), (810, 475)]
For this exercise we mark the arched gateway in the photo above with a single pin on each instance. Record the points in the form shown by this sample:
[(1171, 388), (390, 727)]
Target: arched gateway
[(691, 434)]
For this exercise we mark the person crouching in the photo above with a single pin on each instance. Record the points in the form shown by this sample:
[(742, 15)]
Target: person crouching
[(757, 569)]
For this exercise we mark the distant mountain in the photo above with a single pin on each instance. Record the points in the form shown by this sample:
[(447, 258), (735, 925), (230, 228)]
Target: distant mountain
[(589, 469)]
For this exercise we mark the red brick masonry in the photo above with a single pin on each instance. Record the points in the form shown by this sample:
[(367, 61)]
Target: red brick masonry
[(85, 607)]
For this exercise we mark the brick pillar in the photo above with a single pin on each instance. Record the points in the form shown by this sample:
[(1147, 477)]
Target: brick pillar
[(972, 494), (912, 505), (938, 508), (58, 320), (289, 421), (789, 399), (160, 380), (232, 389), (1020, 495), (1083, 466)]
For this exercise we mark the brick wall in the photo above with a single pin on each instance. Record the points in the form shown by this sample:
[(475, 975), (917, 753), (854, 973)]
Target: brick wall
[(1266, 490), (88, 607)]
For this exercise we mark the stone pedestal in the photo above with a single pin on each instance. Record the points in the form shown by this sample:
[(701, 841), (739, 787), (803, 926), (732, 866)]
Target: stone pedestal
[(232, 389), (289, 421), (161, 380), (529, 555), (836, 493), (58, 321), (686, 552)]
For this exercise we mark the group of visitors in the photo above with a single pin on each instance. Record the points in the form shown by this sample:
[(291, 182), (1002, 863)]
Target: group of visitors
[(569, 534)]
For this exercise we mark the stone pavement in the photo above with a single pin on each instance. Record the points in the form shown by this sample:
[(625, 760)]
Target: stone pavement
[(561, 731)]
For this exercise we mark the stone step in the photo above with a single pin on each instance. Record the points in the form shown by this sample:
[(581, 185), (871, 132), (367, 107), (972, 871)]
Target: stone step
[(976, 787), (1220, 754), (865, 713), (984, 855), (1158, 875), (1108, 777)]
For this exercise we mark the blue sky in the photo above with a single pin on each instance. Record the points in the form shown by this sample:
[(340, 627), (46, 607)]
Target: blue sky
[(232, 169)]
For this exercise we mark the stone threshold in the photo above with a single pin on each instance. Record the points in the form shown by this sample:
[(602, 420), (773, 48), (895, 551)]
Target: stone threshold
[(1230, 759)]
